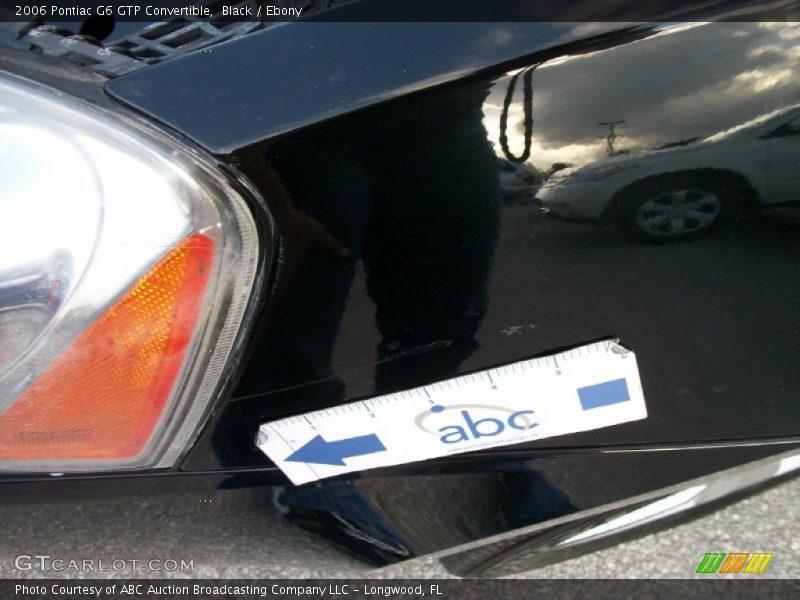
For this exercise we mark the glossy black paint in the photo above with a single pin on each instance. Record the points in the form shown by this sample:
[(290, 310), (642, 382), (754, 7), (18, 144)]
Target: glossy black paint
[(405, 261), (403, 513), (295, 75)]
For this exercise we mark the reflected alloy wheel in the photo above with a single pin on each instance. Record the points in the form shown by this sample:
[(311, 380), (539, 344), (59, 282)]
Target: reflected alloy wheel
[(678, 213)]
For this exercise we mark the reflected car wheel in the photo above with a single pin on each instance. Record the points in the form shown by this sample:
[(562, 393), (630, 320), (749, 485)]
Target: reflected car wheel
[(678, 213), (680, 205)]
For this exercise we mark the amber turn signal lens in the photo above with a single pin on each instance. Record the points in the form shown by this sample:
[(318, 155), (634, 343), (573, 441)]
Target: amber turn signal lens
[(103, 396), (128, 270)]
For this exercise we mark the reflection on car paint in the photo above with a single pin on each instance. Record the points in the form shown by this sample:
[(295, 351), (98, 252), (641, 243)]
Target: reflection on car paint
[(405, 260), (701, 133), (385, 519)]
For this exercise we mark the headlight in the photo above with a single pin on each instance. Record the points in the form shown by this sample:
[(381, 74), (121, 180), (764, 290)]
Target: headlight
[(126, 266)]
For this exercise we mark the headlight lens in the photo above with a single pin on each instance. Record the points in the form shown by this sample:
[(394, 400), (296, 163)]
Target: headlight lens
[(126, 266)]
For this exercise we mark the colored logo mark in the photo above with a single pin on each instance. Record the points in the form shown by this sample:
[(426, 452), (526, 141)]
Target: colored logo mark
[(322, 452), (734, 562), (603, 394)]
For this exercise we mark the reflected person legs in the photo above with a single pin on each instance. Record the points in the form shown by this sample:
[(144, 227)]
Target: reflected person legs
[(428, 259), (329, 197)]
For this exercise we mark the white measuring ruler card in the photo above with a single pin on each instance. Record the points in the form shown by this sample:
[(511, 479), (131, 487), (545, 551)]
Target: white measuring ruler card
[(585, 388)]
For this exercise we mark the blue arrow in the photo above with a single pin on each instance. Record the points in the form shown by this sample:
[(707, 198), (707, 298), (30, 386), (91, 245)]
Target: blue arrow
[(321, 452)]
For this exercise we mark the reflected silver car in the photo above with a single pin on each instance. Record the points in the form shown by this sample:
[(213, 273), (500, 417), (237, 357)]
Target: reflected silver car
[(688, 188)]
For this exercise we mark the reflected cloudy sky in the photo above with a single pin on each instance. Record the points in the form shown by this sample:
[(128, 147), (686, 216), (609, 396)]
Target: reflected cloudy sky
[(716, 76)]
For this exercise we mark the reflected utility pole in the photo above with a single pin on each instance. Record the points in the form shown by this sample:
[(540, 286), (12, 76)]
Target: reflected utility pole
[(612, 134)]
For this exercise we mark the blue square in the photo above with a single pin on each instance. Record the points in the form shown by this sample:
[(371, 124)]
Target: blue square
[(603, 394)]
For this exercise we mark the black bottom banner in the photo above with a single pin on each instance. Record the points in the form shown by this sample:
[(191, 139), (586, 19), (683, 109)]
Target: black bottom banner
[(443, 589)]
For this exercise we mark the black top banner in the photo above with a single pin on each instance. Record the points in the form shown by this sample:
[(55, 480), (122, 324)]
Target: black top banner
[(220, 11)]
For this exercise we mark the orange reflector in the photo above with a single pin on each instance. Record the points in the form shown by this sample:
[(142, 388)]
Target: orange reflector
[(103, 396)]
